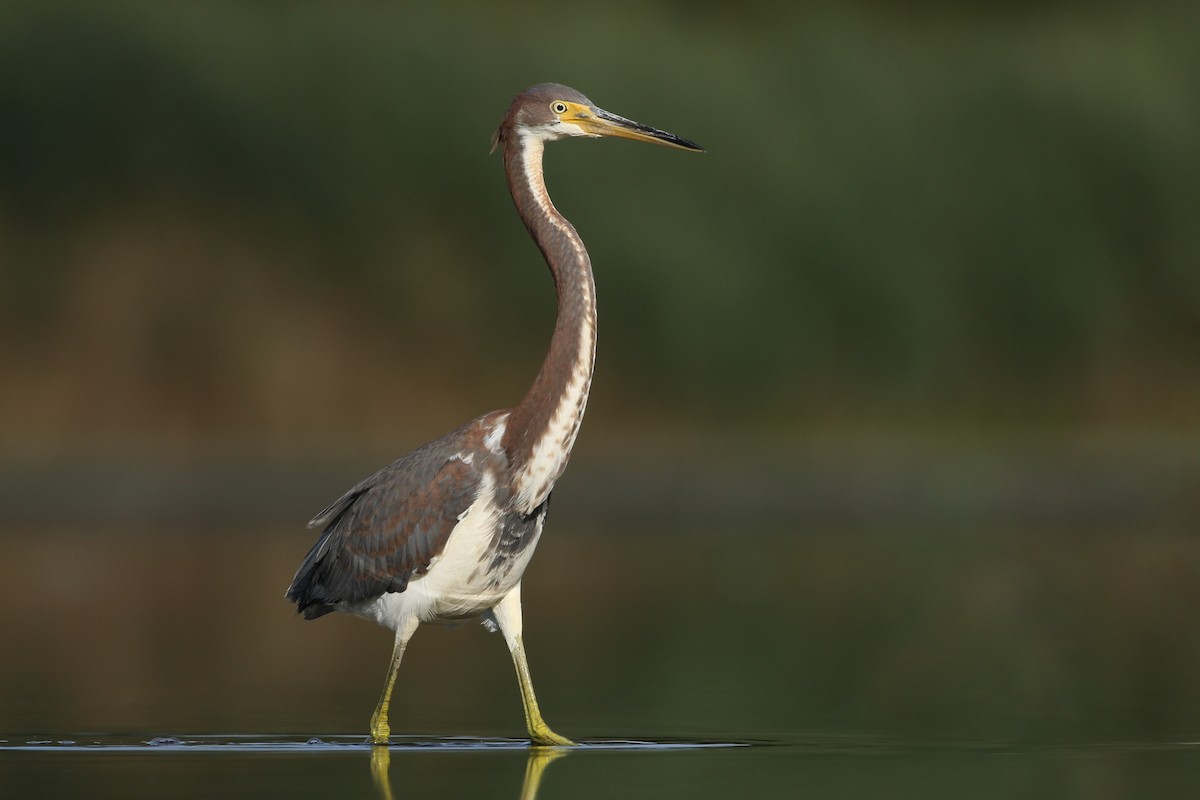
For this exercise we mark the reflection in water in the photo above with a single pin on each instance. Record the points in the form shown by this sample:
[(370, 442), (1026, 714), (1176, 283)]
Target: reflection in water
[(853, 767), (381, 760), (539, 758), (535, 765)]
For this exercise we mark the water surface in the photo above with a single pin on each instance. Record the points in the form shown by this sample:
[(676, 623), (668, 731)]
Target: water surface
[(1032, 662), (255, 766)]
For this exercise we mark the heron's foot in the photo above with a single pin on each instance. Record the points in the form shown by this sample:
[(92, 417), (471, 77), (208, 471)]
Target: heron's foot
[(540, 735), (380, 730)]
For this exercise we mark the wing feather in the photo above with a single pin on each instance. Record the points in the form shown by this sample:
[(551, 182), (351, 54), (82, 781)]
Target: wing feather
[(388, 528)]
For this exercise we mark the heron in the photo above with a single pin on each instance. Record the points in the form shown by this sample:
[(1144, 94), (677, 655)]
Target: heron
[(445, 533)]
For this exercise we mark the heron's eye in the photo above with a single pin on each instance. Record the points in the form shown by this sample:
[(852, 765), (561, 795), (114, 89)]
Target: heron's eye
[(558, 107)]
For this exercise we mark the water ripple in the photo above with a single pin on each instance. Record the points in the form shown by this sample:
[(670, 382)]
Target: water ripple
[(335, 743)]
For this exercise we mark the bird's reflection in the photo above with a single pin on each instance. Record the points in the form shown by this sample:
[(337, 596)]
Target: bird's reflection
[(381, 761), (539, 758), (535, 764)]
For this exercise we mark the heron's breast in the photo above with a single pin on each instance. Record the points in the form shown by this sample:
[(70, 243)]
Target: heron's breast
[(484, 558)]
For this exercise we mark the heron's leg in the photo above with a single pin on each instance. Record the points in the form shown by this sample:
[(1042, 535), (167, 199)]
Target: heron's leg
[(380, 730), (508, 618), (539, 731)]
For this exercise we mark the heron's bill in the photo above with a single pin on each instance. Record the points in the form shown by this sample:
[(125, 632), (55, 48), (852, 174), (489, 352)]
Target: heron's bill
[(605, 123)]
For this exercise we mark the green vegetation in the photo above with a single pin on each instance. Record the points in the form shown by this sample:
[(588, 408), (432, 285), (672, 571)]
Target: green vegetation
[(263, 216)]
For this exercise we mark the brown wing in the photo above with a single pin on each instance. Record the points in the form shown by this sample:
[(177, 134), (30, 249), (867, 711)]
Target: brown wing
[(387, 528)]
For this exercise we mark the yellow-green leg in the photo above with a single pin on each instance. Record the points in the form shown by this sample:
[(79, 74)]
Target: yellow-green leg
[(539, 732), (507, 614), (380, 730)]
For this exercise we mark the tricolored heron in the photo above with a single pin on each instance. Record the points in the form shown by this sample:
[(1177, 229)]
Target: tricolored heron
[(445, 533)]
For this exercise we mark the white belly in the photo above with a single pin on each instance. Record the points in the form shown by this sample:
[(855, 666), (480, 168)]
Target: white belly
[(461, 582)]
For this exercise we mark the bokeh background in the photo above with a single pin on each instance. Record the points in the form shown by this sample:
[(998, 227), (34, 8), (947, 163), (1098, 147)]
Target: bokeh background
[(896, 418)]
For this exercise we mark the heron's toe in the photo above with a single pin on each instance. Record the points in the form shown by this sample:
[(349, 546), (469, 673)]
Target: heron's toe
[(542, 736)]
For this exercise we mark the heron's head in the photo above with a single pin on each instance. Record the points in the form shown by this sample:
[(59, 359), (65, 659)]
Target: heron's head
[(551, 111)]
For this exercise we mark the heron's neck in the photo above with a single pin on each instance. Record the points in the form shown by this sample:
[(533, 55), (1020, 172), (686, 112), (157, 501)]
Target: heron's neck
[(541, 429)]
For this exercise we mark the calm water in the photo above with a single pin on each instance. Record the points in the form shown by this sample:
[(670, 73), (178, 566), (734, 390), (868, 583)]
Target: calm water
[(1049, 662), (835, 767)]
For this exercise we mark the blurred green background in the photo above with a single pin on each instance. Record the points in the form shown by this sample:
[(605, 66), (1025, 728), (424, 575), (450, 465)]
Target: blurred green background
[(277, 224), (896, 424)]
